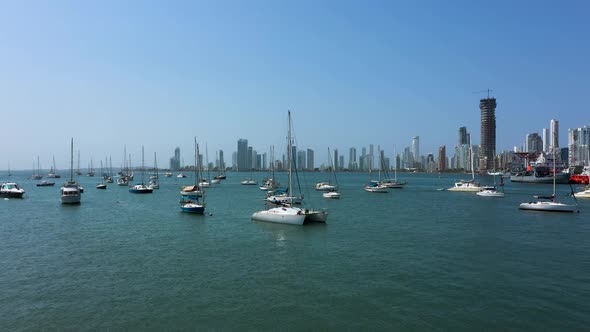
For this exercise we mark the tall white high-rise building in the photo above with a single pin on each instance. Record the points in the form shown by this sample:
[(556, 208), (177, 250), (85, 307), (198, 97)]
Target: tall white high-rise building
[(352, 158), (545, 140), (371, 157), (554, 138), (416, 148)]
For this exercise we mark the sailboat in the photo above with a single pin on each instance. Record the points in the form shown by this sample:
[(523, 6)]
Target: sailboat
[(37, 176), (328, 186), (286, 213), (467, 185), (141, 188), (206, 183), (389, 183), (190, 203), (549, 203), (101, 184), (331, 193), (155, 180), (90, 169), (375, 186), (71, 192), (78, 169), (109, 177), (123, 179), (490, 191), (52, 172)]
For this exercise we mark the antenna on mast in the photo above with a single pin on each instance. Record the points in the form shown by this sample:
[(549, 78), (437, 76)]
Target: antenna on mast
[(488, 91)]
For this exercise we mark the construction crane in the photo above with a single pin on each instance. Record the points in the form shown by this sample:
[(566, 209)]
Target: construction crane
[(488, 91)]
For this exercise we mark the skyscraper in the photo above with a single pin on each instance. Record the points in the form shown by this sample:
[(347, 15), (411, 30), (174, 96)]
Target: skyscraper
[(554, 135), (352, 165), (463, 136), (301, 160), (221, 161), (371, 157), (249, 158), (442, 158), (545, 140), (487, 150), (533, 143), (242, 154), (341, 163), (310, 161), (175, 161), (336, 160), (416, 150), (416, 147)]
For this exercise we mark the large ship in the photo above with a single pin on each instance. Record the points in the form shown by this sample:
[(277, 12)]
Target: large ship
[(537, 167)]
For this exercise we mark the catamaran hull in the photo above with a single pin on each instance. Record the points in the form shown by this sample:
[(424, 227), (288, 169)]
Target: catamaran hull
[(548, 207), (141, 191), (316, 216), (277, 218), (194, 210)]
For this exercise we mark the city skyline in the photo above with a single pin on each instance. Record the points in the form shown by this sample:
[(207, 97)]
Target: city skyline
[(235, 68)]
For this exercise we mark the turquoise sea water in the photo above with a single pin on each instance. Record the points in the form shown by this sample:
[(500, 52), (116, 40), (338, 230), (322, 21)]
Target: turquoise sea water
[(412, 259)]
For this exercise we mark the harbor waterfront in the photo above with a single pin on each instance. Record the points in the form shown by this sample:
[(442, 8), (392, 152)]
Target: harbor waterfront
[(411, 259)]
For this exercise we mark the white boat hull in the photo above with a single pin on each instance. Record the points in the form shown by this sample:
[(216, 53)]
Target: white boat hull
[(332, 195), (284, 200), (323, 186), (376, 189), (281, 215), (548, 206), (490, 193), (582, 194), (465, 189)]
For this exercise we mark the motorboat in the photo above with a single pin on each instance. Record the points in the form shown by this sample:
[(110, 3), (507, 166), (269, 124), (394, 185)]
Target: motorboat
[(140, 189), (70, 193), (325, 186), (466, 186), (101, 186), (45, 183), (215, 181), (11, 190), (168, 174), (331, 194), (181, 175), (489, 191), (249, 182), (375, 187)]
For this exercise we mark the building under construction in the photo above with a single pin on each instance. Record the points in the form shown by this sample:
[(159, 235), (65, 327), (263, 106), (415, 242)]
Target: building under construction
[(487, 151)]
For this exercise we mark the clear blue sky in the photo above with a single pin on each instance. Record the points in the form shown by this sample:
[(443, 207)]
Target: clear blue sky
[(156, 74)]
